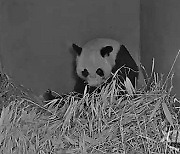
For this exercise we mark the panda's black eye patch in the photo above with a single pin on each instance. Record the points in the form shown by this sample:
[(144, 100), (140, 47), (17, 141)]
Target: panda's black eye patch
[(85, 73), (100, 72), (105, 51)]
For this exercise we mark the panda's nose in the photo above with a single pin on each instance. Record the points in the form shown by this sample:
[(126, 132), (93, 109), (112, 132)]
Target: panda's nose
[(93, 82)]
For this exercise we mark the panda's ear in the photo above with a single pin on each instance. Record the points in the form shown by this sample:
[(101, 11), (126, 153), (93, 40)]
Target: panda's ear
[(105, 51), (77, 49)]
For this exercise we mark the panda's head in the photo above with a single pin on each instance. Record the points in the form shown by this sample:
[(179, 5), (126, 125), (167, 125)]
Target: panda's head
[(95, 60)]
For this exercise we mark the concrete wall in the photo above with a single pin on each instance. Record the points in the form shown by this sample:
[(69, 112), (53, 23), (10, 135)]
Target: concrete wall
[(36, 36), (160, 36)]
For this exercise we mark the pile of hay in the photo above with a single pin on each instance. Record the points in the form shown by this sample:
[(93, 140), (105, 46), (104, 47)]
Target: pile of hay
[(140, 121)]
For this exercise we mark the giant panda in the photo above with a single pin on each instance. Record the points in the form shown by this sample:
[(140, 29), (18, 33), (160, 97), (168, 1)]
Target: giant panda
[(98, 59)]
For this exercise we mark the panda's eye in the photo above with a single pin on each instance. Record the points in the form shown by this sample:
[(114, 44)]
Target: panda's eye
[(85, 73), (100, 72)]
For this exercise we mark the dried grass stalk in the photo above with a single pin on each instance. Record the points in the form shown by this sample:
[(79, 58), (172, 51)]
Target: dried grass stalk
[(140, 121)]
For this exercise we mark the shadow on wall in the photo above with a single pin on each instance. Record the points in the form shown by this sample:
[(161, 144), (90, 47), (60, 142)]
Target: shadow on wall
[(160, 37)]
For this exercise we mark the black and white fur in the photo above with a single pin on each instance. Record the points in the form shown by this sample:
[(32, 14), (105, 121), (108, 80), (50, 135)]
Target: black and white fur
[(98, 58)]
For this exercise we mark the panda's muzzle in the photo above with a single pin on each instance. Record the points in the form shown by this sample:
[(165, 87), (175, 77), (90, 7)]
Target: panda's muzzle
[(95, 81)]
